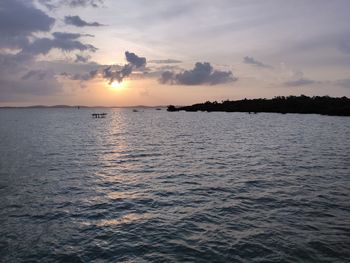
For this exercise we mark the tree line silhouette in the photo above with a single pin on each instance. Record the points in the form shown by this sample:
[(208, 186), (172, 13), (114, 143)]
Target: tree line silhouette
[(324, 105)]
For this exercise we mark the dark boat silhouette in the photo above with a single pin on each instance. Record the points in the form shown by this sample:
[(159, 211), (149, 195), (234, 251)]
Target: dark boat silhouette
[(99, 115)]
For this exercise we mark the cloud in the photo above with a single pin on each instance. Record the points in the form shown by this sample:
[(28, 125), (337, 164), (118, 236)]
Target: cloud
[(14, 42), (19, 18), (77, 21), (16, 83), (52, 4), (83, 77), (19, 21), (69, 36), (299, 82), (35, 74), (135, 62), (21, 75), (113, 73), (165, 61), (295, 77), (83, 3), (168, 77), (61, 40), (344, 43), (253, 61), (81, 59), (201, 74), (345, 83)]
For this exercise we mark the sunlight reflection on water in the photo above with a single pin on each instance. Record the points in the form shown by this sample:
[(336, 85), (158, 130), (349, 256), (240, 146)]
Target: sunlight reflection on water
[(159, 186)]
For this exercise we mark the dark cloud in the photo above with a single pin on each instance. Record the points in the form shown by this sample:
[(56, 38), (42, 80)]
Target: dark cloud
[(63, 41), (113, 73), (21, 75), (16, 83), (52, 4), (81, 59), (35, 74), (19, 18), (253, 61), (11, 64), (83, 77), (77, 21), (165, 61), (69, 36), (135, 62), (201, 74), (299, 82), (80, 3), (167, 77), (118, 75), (68, 66), (13, 42)]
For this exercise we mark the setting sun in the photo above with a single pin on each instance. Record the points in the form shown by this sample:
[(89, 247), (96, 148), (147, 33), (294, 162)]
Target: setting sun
[(117, 85)]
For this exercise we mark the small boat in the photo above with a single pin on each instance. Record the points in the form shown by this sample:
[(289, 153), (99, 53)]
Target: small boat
[(135, 110), (99, 115)]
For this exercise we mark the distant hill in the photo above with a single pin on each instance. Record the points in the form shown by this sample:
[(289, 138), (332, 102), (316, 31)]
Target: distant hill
[(292, 104)]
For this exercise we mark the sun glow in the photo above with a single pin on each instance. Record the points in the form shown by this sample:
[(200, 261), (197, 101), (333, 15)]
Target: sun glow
[(117, 85)]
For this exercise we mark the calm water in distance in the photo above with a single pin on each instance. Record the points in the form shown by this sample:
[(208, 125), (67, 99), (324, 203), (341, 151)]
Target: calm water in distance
[(154, 186)]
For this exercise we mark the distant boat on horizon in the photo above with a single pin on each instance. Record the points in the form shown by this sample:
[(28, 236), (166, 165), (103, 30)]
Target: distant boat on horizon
[(99, 115)]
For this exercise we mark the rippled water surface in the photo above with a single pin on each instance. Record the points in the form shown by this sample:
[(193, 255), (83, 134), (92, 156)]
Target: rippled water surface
[(153, 186)]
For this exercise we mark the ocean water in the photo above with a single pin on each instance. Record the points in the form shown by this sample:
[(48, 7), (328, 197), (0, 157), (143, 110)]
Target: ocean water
[(154, 186)]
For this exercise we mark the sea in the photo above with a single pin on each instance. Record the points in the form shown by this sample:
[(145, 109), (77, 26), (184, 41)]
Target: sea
[(157, 186)]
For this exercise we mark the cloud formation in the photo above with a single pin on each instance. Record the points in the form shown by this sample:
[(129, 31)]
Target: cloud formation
[(201, 74), (81, 59), (21, 75), (19, 20), (165, 61), (344, 44), (52, 4), (83, 77), (345, 83), (253, 61), (299, 82), (135, 62), (113, 73), (35, 74), (61, 40), (78, 22)]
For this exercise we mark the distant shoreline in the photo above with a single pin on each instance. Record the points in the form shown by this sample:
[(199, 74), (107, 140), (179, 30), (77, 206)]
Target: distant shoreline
[(292, 104), (80, 107)]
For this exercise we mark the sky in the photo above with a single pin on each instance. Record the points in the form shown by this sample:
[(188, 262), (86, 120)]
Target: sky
[(161, 52)]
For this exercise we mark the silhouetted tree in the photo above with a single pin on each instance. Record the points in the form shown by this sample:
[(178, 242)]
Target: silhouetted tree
[(279, 104)]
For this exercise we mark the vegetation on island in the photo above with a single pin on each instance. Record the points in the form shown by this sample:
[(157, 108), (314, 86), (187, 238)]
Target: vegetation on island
[(324, 105)]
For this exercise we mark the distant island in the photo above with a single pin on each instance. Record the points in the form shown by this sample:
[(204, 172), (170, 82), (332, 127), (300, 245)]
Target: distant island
[(81, 107), (324, 105)]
